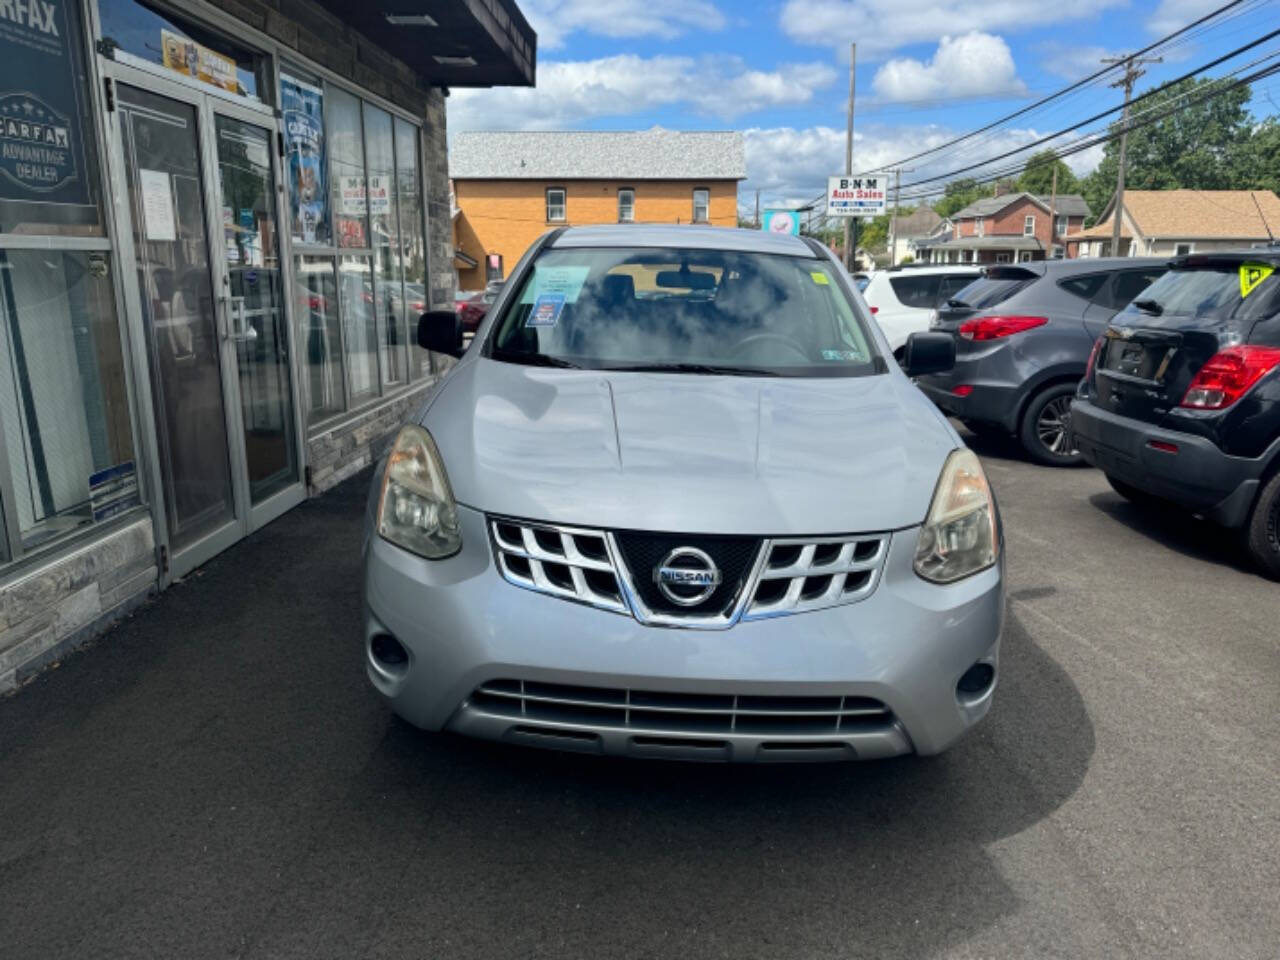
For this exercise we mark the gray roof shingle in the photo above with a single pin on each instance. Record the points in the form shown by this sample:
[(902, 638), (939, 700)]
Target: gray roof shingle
[(655, 154), (1067, 205)]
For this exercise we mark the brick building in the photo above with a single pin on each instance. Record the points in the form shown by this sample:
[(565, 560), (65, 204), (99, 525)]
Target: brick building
[(510, 188), (1012, 228), (218, 223)]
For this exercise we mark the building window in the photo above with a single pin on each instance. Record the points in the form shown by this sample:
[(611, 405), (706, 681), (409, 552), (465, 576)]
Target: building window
[(1002, 258), (981, 226), (1057, 252), (1182, 249), (1029, 226), (1061, 228), (356, 218), (701, 205), (1024, 256), (555, 205), (626, 205)]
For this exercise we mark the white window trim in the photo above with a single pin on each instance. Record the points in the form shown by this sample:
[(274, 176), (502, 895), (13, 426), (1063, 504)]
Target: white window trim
[(1029, 225), (631, 204), (564, 205), (1003, 258), (1191, 248), (982, 227), (706, 217), (1061, 225)]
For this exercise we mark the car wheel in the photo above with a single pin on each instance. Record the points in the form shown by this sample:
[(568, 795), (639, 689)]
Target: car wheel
[(1046, 427), (1139, 498), (1263, 539)]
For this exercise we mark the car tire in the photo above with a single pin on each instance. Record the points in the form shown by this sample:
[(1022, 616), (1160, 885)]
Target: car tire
[(1045, 432), (1139, 498), (1263, 533)]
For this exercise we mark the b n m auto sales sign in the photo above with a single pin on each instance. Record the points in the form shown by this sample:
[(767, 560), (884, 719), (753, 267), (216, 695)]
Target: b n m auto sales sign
[(857, 196)]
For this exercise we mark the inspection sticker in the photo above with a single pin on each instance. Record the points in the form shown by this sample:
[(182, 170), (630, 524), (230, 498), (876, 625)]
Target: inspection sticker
[(546, 310), (1252, 274), (819, 278)]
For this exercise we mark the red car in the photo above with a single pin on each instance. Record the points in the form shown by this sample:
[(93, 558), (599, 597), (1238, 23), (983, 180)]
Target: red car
[(471, 308)]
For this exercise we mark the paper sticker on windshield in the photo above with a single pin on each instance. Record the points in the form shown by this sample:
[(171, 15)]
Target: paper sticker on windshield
[(841, 355), (1252, 274), (819, 278), (546, 310), (564, 280)]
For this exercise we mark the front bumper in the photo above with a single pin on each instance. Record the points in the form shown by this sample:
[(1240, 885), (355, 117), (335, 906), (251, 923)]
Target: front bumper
[(464, 626), (1199, 476)]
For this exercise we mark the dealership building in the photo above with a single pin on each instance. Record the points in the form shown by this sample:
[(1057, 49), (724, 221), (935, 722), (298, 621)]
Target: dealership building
[(218, 224)]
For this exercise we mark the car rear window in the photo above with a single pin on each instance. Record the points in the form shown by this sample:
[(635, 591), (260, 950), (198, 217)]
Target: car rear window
[(1211, 291), (916, 291), (997, 287), (1086, 288)]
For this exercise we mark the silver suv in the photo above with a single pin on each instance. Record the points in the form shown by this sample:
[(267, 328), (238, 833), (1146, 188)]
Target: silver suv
[(677, 500)]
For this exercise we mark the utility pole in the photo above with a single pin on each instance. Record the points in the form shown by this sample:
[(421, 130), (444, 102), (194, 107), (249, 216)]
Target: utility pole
[(757, 209), (848, 159), (893, 216), (1053, 211), (1132, 71)]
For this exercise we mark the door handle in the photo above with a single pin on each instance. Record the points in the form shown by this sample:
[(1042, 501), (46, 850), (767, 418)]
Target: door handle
[(237, 327)]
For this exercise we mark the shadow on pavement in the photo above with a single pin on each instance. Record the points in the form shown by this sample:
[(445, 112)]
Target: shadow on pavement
[(1178, 530), (215, 778)]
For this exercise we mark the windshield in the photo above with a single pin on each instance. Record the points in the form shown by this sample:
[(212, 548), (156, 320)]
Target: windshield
[(1212, 292), (698, 311)]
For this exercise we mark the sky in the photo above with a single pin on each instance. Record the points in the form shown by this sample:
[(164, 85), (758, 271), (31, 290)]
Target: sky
[(927, 70)]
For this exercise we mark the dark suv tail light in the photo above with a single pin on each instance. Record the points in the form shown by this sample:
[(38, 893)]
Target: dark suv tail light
[(993, 328), (1093, 356), (1228, 375)]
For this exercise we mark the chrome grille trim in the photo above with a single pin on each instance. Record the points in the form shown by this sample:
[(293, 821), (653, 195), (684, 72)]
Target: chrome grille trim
[(688, 714), (527, 551), (853, 574)]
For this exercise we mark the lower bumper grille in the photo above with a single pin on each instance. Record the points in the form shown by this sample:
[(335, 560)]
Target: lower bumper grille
[(694, 714)]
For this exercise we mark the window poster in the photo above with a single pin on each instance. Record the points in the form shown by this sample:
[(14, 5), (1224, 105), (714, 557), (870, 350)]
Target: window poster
[(42, 149), (303, 107), (195, 60)]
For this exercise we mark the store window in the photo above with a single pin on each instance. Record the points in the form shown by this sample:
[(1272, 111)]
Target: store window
[(356, 212), (49, 183), (701, 205), (141, 35)]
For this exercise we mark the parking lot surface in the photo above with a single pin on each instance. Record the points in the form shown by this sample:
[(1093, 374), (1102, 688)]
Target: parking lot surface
[(214, 779)]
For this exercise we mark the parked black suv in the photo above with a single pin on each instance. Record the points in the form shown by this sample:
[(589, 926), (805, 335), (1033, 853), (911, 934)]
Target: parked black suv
[(1182, 399), (1023, 334)]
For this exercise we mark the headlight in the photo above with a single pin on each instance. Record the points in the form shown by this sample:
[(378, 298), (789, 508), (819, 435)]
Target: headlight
[(959, 537), (417, 510)]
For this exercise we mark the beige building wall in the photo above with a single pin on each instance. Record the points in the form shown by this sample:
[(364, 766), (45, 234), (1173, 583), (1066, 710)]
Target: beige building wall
[(506, 216)]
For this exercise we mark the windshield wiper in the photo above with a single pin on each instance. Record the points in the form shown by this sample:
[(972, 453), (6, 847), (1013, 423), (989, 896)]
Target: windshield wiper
[(534, 359), (1149, 306), (707, 368)]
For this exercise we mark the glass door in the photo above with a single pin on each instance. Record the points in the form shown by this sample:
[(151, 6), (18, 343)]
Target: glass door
[(201, 177)]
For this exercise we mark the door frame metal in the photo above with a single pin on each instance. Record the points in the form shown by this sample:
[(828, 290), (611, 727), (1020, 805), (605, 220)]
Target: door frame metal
[(247, 517)]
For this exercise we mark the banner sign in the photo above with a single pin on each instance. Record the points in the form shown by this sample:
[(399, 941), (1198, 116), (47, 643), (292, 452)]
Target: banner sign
[(781, 221), (42, 153), (195, 60), (857, 196), (303, 105)]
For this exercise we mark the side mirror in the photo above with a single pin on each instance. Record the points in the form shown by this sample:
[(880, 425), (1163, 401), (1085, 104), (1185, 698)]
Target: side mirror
[(928, 353), (440, 331)]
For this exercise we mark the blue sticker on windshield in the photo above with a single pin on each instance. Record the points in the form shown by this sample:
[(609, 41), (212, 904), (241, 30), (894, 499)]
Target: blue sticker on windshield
[(841, 355), (546, 310)]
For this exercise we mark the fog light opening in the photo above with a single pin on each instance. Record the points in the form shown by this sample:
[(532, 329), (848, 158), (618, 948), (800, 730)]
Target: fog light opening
[(976, 681), (388, 651)]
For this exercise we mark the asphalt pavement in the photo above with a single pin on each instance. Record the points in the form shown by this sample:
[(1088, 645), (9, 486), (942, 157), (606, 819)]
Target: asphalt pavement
[(214, 779)]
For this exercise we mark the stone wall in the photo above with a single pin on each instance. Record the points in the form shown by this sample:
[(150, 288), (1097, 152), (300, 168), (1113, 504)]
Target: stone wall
[(57, 607)]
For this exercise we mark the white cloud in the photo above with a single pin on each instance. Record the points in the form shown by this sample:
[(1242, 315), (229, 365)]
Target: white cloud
[(570, 94), (1072, 63), (970, 65), (554, 20), (882, 26), (1171, 15)]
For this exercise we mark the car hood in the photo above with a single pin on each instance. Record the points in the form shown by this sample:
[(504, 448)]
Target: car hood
[(695, 453)]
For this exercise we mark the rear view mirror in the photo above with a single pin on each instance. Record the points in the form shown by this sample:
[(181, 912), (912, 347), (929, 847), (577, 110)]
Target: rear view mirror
[(685, 280), (440, 331), (927, 353)]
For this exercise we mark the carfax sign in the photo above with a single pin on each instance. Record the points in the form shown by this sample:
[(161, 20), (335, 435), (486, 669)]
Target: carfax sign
[(41, 147), (856, 196)]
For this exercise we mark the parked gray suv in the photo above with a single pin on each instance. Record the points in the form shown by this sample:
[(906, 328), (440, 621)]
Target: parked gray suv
[(679, 500), (1023, 335)]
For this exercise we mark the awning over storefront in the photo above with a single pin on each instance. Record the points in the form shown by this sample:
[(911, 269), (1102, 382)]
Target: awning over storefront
[(449, 43)]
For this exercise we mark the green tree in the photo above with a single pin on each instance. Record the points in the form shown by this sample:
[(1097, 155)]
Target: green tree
[(1037, 175), (1201, 146), (1258, 162), (957, 195)]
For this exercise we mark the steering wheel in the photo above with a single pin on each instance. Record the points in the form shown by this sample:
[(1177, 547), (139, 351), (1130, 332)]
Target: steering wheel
[(785, 342)]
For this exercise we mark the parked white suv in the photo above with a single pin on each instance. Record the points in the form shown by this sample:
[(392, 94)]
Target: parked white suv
[(902, 299)]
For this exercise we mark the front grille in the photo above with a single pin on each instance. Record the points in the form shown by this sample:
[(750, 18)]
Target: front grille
[(809, 574), (564, 561), (644, 552), (680, 713)]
